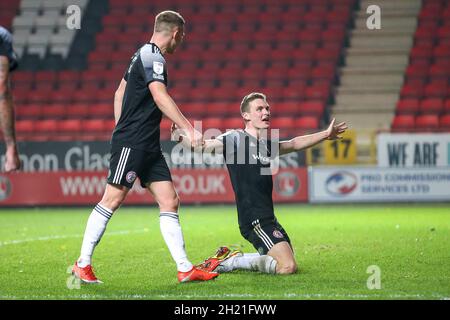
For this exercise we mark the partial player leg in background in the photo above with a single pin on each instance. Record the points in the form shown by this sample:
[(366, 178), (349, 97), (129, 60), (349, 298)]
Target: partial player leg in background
[(7, 121)]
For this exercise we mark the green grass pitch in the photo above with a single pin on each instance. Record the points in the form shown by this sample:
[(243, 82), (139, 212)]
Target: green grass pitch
[(334, 246)]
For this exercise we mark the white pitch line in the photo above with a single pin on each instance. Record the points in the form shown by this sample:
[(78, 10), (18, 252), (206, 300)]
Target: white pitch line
[(56, 237), (237, 296)]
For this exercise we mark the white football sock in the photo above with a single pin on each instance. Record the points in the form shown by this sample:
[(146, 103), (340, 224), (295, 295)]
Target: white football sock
[(249, 261), (95, 228), (173, 236)]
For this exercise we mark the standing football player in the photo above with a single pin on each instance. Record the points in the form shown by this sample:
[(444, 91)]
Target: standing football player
[(139, 103), (8, 62), (248, 154)]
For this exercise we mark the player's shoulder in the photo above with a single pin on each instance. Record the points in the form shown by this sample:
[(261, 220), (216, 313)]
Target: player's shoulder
[(234, 137), (231, 133), (5, 35), (150, 53)]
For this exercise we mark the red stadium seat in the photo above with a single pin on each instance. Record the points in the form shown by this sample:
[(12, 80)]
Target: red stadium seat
[(436, 89), (223, 94), (444, 122), (93, 125), (220, 109), (199, 95), (22, 76), (77, 111), (437, 71), (109, 125), (25, 127), (313, 108), (408, 106), (447, 106), (69, 126), (84, 96), (284, 109), (61, 96), (46, 126), (195, 110), (428, 122), (281, 123), (45, 76), (101, 110), (294, 93), (431, 106), (318, 92), (412, 91), (307, 123), (419, 71), (323, 72), (213, 123), (41, 96), (234, 123), (403, 123), (28, 111), (54, 111)]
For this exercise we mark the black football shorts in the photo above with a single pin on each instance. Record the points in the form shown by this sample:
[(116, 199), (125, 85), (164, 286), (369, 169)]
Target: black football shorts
[(127, 164), (264, 234)]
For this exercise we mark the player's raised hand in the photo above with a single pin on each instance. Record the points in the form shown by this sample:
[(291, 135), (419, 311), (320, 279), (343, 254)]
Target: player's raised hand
[(334, 130)]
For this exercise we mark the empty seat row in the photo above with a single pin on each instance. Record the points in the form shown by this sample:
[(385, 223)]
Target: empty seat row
[(429, 122), (414, 106), (101, 128)]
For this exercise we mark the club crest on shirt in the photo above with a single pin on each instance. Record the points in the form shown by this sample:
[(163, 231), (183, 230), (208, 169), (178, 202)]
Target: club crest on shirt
[(131, 176), (277, 234), (158, 67)]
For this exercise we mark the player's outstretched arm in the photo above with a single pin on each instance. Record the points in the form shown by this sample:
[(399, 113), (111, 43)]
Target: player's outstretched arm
[(167, 106), (307, 141), (118, 98), (208, 146)]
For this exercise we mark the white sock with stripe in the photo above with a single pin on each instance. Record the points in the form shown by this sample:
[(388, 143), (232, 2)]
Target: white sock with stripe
[(95, 228), (249, 261), (173, 236)]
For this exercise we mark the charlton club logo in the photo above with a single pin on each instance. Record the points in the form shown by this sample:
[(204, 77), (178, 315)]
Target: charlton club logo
[(277, 234), (131, 176)]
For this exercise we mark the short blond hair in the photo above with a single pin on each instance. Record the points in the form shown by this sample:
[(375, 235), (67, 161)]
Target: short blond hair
[(245, 104), (167, 20)]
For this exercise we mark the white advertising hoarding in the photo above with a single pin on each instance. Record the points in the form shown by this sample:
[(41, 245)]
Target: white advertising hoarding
[(374, 184), (413, 149)]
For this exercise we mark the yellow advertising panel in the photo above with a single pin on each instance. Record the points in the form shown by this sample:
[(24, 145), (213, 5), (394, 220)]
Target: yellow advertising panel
[(341, 151)]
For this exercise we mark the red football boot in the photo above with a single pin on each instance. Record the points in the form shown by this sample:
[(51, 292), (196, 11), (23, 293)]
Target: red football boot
[(196, 274), (85, 274), (222, 254)]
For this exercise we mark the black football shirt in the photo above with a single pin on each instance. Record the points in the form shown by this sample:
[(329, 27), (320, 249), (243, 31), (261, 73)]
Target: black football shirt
[(248, 163), (138, 126)]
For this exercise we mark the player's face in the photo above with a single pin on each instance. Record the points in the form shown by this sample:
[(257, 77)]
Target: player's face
[(177, 39), (259, 114)]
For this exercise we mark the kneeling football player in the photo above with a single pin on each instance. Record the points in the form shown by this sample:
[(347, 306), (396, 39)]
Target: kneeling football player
[(248, 154)]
